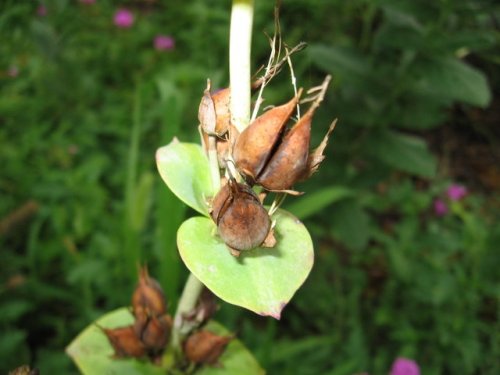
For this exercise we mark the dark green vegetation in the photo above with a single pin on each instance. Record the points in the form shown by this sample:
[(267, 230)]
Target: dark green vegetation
[(84, 105)]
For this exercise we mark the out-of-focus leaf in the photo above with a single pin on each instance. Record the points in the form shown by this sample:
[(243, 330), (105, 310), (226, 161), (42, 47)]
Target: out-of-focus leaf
[(185, 169), (350, 224), (403, 152), (450, 78), (263, 279), (311, 204)]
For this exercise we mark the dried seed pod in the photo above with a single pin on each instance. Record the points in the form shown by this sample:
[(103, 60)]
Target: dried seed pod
[(125, 342), (205, 347), (153, 332), (255, 144), (148, 296), (221, 100), (24, 370), (204, 310), (289, 161), (206, 112), (242, 222)]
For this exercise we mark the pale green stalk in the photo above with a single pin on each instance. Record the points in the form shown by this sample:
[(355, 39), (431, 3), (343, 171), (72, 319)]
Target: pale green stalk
[(239, 71)]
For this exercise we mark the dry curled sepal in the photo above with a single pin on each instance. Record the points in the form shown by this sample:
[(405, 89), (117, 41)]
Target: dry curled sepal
[(316, 156), (125, 342), (241, 219), (255, 144), (206, 112), (205, 347), (148, 296)]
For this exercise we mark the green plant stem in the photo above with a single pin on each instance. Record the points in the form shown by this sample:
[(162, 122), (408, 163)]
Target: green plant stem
[(239, 61), (239, 71)]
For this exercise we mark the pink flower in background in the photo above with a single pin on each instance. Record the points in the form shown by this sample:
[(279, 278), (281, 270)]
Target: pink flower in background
[(13, 71), (123, 18), (456, 192), (164, 43), (404, 366), (440, 208), (41, 10)]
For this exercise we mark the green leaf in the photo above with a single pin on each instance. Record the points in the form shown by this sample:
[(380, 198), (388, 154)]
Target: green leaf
[(185, 169), (403, 152), (262, 280), (312, 203), (450, 78), (351, 224), (92, 352)]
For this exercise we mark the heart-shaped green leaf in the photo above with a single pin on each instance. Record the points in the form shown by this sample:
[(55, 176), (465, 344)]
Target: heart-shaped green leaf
[(185, 169), (92, 352), (263, 279)]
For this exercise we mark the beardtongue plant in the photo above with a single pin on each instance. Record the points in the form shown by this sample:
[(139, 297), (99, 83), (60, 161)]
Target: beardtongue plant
[(240, 250)]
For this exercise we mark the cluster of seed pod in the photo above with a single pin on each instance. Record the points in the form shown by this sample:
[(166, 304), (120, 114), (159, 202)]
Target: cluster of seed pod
[(266, 153), (149, 334)]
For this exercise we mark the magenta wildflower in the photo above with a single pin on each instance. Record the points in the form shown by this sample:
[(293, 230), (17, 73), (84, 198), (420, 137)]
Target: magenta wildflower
[(404, 366), (41, 10), (123, 18), (440, 207), (456, 192), (164, 43)]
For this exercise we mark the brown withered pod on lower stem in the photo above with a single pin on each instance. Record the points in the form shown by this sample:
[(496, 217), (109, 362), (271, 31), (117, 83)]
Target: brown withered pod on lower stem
[(150, 332), (205, 348), (268, 155), (241, 219)]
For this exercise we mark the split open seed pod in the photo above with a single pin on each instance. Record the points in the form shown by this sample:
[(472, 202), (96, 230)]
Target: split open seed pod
[(255, 144), (242, 221), (125, 342), (148, 296)]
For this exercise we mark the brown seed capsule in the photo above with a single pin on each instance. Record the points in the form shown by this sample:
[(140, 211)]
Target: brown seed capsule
[(242, 222), (125, 342), (24, 370), (153, 332), (148, 296), (289, 161), (204, 347), (255, 144), (221, 101)]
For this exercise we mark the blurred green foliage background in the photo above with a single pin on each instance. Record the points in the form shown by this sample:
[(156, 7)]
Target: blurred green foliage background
[(403, 268)]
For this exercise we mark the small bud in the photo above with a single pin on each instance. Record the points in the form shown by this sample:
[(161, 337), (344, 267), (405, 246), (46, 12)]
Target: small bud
[(148, 296), (255, 144), (204, 347), (125, 342), (242, 222)]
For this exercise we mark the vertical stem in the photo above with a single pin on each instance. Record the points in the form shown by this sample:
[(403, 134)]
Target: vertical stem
[(239, 71), (239, 61)]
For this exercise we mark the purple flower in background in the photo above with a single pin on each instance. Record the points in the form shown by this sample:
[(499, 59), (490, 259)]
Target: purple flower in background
[(164, 43), (456, 192), (41, 10), (440, 208), (404, 366), (123, 18)]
